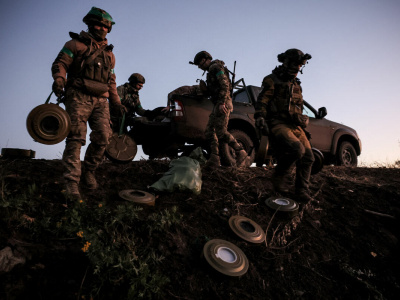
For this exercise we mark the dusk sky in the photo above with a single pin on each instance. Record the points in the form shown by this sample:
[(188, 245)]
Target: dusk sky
[(354, 71)]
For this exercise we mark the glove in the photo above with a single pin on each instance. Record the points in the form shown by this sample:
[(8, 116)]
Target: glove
[(165, 110), (58, 86), (260, 122)]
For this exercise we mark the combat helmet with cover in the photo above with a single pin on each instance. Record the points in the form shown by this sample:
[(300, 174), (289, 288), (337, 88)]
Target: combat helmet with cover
[(136, 78), (199, 56), (294, 55), (98, 15)]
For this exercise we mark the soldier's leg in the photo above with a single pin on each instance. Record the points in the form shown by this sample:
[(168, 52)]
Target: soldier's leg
[(223, 135), (290, 147), (291, 150), (79, 112), (211, 136), (304, 165), (72, 161), (99, 123), (212, 140)]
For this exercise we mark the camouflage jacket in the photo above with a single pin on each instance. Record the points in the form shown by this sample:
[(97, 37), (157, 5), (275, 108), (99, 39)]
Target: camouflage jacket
[(129, 97), (280, 97), (69, 62), (218, 83)]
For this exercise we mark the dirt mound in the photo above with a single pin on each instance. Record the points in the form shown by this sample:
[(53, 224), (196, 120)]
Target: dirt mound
[(342, 244)]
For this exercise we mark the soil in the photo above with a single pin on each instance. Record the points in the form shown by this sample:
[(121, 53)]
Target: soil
[(343, 244)]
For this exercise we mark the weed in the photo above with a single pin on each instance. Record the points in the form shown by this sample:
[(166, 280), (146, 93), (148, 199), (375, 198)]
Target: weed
[(122, 263)]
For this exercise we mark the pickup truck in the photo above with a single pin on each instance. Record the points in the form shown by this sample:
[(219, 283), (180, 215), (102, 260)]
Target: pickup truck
[(182, 130)]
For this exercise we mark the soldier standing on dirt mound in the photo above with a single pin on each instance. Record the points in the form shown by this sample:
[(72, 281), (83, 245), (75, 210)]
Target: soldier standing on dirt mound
[(85, 69), (280, 105), (129, 96), (219, 88)]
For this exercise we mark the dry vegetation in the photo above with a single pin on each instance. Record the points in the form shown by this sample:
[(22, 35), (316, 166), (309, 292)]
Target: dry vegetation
[(343, 244)]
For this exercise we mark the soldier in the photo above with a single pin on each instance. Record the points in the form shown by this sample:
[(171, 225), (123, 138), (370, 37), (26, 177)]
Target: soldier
[(84, 68), (219, 88), (280, 105), (129, 96)]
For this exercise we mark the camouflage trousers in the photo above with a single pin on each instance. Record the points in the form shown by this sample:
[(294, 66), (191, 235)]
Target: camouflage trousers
[(294, 150), (83, 109), (217, 132)]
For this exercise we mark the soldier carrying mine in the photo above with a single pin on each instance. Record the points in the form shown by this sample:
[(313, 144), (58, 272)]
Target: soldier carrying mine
[(84, 68)]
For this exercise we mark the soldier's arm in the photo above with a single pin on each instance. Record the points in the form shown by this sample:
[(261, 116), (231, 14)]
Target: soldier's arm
[(112, 86), (185, 90), (139, 109), (264, 98), (122, 95), (223, 83), (64, 59)]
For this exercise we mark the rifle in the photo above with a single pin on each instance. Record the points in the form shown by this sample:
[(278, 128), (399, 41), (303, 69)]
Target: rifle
[(233, 77)]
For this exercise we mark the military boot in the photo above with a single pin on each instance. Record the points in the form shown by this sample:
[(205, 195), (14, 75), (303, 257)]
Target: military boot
[(303, 195), (241, 156), (280, 184), (213, 161), (72, 190), (90, 180)]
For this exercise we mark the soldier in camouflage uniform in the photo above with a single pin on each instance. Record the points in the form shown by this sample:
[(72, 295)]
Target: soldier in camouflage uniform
[(129, 96), (219, 88), (85, 69), (280, 105)]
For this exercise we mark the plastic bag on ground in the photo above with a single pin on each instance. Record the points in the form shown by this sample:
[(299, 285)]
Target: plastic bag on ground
[(184, 174)]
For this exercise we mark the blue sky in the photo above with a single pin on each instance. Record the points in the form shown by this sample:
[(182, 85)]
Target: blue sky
[(354, 70)]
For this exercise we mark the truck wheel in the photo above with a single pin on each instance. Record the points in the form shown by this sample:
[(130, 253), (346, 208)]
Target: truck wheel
[(228, 156), (346, 155)]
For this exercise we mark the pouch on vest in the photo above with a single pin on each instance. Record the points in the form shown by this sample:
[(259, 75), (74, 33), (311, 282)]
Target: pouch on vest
[(94, 88)]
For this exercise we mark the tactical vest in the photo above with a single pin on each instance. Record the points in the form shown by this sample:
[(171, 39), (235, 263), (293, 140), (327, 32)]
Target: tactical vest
[(130, 96), (94, 74), (212, 83), (287, 100)]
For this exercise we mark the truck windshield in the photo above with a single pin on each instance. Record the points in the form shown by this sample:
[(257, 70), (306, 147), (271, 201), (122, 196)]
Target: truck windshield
[(241, 97), (307, 111)]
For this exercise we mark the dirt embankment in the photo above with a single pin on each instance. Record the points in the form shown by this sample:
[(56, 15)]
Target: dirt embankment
[(342, 245)]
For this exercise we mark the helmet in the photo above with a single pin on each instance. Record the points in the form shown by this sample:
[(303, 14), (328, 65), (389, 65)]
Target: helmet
[(199, 56), (294, 55), (97, 15), (135, 78)]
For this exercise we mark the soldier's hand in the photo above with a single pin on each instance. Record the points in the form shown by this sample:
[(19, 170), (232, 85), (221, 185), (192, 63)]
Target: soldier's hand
[(122, 110), (260, 122), (58, 86), (223, 109), (165, 110)]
